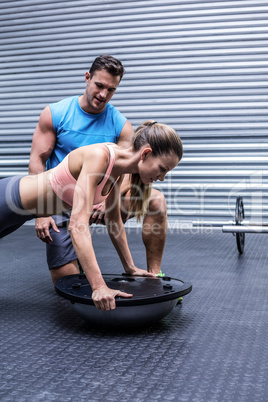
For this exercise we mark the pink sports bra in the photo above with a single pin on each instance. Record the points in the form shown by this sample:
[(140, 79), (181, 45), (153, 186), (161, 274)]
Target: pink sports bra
[(63, 183)]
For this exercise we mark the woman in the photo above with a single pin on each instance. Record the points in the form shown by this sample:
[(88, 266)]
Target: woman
[(85, 178)]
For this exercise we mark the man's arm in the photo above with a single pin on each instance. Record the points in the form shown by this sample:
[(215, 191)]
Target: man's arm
[(43, 143), (126, 134)]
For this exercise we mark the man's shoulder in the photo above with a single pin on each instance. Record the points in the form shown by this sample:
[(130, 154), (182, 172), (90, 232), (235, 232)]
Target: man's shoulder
[(64, 103), (113, 111), (111, 108)]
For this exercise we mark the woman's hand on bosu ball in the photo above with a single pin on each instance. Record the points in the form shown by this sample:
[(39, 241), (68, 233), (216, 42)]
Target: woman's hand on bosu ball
[(104, 297)]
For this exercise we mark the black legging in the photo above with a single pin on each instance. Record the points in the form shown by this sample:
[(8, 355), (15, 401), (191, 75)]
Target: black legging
[(12, 214)]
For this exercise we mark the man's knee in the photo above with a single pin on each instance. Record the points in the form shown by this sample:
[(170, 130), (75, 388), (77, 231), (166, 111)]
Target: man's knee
[(155, 221), (157, 204), (68, 269)]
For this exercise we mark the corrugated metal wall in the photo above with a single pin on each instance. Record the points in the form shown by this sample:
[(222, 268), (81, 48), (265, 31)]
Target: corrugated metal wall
[(198, 66)]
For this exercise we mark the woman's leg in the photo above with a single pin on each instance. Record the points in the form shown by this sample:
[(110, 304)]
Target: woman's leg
[(12, 214)]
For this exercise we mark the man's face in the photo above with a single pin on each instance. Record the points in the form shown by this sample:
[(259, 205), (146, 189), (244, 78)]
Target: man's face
[(100, 89)]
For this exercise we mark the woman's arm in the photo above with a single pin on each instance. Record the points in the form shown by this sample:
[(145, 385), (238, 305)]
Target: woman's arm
[(117, 232), (93, 166)]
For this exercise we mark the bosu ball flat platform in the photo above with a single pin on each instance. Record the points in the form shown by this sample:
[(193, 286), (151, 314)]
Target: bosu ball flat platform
[(153, 298)]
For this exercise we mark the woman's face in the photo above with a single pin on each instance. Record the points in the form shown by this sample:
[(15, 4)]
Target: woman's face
[(153, 168)]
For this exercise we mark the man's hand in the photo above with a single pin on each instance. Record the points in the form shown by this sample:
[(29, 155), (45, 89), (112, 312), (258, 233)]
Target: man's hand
[(42, 226), (104, 297), (97, 215)]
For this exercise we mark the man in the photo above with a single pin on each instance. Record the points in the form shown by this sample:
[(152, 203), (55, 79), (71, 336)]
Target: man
[(83, 120)]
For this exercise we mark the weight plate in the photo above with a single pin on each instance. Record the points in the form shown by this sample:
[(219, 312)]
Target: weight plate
[(239, 216)]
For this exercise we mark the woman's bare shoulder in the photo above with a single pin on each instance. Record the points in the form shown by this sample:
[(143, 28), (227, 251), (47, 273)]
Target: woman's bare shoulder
[(93, 152), (94, 158), (99, 153)]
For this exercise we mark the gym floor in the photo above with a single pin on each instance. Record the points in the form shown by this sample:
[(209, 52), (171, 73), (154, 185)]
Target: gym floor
[(212, 347)]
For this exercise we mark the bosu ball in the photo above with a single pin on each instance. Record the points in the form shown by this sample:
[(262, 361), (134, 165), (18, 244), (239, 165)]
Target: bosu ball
[(153, 298)]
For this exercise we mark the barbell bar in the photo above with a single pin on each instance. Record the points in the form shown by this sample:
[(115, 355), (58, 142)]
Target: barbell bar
[(244, 229), (224, 224), (239, 227)]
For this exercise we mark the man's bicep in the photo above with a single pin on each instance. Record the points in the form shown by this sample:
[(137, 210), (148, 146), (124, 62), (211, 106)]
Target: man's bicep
[(126, 134), (43, 142), (44, 131)]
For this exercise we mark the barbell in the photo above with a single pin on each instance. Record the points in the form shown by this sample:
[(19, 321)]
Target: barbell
[(239, 227)]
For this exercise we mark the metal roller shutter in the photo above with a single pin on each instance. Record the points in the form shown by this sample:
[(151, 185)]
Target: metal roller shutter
[(198, 66)]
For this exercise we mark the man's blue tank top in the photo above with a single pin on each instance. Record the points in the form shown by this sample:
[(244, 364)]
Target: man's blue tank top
[(75, 128)]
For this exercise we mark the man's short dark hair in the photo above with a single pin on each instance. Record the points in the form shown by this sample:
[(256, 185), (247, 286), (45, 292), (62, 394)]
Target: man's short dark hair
[(108, 63)]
